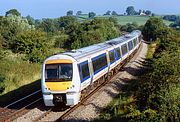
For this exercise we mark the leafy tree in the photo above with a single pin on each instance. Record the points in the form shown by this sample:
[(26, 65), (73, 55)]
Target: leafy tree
[(95, 31), (30, 20), (153, 14), (91, 15), (61, 40), (13, 12), (10, 26), (70, 13), (176, 24), (148, 12), (108, 12), (152, 28), (129, 27), (79, 13), (171, 17), (65, 21), (130, 10), (114, 13), (33, 43), (48, 25), (140, 11)]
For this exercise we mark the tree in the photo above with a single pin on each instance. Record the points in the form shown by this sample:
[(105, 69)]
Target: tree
[(152, 28), (148, 12), (78, 13), (140, 11), (65, 21), (61, 40), (130, 10), (34, 44), (114, 13), (48, 25), (108, 13), (91, 15), (153, 15), (13, 12), (30, 20), (171, 17), (129, 27), (10, 26), (69, 13), (92, 32)]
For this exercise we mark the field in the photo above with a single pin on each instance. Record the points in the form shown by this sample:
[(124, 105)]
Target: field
[(122, 20)]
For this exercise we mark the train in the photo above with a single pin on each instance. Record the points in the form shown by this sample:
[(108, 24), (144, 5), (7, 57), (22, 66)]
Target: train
[(66, 76)]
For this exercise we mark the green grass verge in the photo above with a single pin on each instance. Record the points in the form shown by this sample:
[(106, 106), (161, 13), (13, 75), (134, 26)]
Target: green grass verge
[(15, 73)]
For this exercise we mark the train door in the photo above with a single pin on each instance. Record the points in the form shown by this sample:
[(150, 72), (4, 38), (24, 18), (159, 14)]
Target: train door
[(91, 69)]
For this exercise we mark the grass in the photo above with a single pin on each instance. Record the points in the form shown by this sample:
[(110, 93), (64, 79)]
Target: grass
[(123, 20), (15, 72), (18, 77)]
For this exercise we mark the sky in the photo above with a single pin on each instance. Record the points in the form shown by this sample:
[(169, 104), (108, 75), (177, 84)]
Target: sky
[(55, 8)]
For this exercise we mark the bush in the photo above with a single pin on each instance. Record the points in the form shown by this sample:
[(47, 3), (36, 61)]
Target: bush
[(2, 85), (33, 43)]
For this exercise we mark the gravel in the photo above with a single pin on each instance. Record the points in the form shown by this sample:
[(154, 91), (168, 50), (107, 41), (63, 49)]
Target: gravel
[(92, 107)]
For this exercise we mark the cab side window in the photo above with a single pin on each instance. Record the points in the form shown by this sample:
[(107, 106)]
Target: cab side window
[(84, 71)]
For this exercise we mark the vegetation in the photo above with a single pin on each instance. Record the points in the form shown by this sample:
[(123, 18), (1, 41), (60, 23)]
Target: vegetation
[(171, 17), (91, 15), (155, 95), (26, 42)]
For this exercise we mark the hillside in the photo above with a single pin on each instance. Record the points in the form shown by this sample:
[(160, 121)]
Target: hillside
[(122, 20)]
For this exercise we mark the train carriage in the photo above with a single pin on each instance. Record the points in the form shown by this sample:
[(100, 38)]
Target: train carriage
[(66, 75)]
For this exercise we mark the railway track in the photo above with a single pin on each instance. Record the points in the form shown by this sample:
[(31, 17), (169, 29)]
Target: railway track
[(65, 113), (20, 107)]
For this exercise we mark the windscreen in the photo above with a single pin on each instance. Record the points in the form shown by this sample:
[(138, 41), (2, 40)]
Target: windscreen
[(58, 72)]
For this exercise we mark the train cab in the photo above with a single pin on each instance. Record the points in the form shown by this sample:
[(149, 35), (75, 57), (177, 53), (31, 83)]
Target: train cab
[(59, 81)]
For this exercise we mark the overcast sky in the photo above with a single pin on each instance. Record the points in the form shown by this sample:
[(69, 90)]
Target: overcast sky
[(57, 8)]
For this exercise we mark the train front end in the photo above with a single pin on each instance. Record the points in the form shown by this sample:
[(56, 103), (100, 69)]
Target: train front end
[(59, 81)]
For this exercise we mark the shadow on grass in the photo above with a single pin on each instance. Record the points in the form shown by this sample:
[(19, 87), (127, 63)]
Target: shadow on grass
[(19, 93)]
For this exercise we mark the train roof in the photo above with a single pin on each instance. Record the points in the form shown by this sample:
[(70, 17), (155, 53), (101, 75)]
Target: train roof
[(82, 52)]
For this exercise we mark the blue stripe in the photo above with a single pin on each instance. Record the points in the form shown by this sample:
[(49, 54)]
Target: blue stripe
[(100, 69), (87, 77), (112, 62)]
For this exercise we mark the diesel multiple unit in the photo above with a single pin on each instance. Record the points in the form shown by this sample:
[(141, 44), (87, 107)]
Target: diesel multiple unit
[(66, 75)]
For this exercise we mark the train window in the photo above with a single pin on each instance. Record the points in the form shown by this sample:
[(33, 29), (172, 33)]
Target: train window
[(139, 38), (58, 72), (130, 45), (111, 56), (84, 71), (124, 49), (118, 54), (135, 42), (99, 63)]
